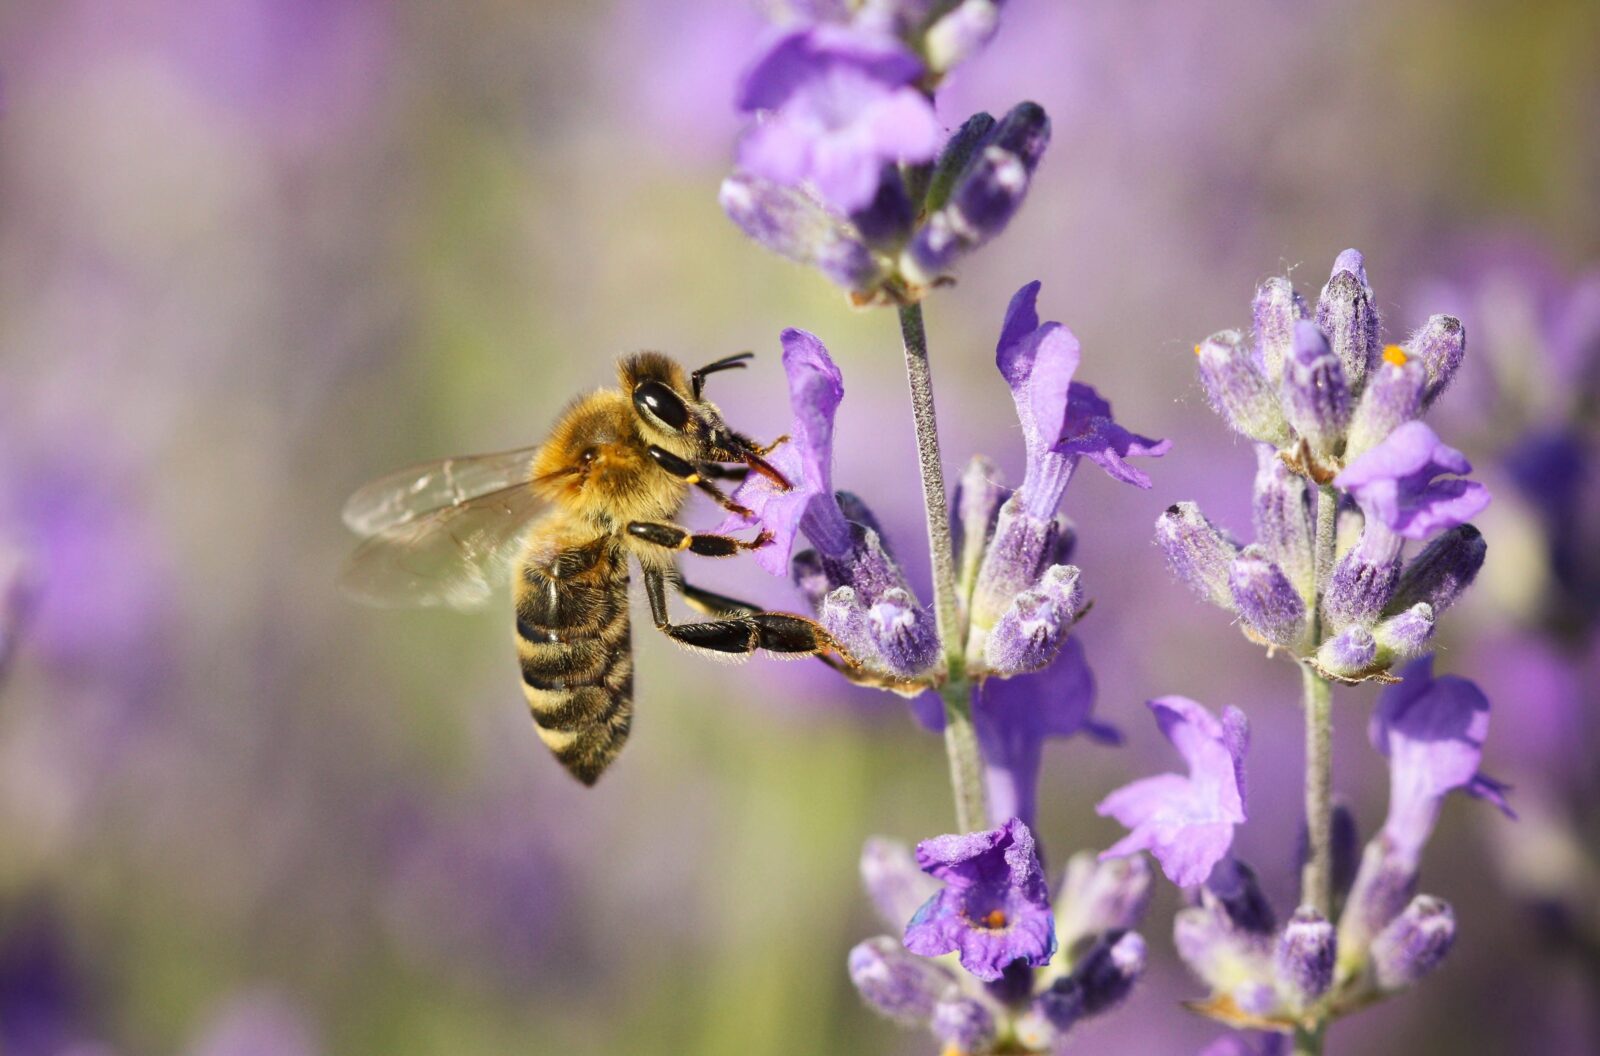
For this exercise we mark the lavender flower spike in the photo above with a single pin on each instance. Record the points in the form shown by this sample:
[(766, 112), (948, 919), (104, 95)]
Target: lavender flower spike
[(1432, 730), (994, 908), (1395, 484), (1186, 822), (840, 104)]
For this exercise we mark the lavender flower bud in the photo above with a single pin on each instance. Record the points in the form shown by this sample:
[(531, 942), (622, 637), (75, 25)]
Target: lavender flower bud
[(984, 198), (1054, 1012), (1316, 396), (1393, 396), (856, 510), (1361, 585), (1352, 653), (1276, 309), (1305, 957), (1198, 552), (1029, 634), (898, 984), (905, 640), (963, 1025), (1265, 598), (979, 495), (1404, 635), (1414, 943), (1232, 888), (1343, 841), (1441, 345), (793, 224), (1239, 390), (1384, 883), (886, 221), (1011, 563), (1284, 521), (1100, 896), (893, 880), (1442, 571), (1346, 314), (1109, 971), (1225, 959), (955, 157), (960, 34), (844, 617)]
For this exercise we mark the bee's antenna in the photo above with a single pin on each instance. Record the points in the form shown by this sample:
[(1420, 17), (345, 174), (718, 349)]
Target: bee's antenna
[(734, 362)]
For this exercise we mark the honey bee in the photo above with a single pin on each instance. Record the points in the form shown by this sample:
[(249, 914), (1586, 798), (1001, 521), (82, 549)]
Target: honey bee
[(605, 486)]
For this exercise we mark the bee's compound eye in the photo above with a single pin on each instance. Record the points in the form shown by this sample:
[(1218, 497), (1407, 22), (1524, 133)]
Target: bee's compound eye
[(659, 402)]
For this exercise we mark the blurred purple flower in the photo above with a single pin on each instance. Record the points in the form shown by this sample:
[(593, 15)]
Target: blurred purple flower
[(1265, 1043), (1013, 717), (1432, 730), (1186, 822), (44, 995), (259, 1023), (994, 908), (1396, 485), (841, 104)]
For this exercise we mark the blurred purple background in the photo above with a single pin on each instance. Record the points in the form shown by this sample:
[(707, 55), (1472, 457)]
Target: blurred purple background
[(254, 252)]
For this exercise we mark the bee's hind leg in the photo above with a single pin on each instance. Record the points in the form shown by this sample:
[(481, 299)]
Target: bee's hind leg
[(672, 537), (742, 629)]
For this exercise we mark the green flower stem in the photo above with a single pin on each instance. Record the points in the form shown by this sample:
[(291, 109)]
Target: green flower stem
[(1316, 877), (960, 739)]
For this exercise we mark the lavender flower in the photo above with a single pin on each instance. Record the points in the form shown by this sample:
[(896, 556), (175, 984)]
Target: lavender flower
[(1063, 422), (1013, 717), (1432, 730), (1186, 822), (1198, 552), (859, 593), (1414, 943), (791, 222), (1032, 1001), (1396, 484), (840, 104), (994, 908)]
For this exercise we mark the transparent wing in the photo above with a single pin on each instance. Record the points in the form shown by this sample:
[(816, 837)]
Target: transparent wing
[(454, 555), (419, 490)]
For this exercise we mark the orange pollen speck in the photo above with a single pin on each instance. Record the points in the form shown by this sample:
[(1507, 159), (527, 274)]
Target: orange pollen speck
[(995, 918), (1394, 354), (1197, 350)]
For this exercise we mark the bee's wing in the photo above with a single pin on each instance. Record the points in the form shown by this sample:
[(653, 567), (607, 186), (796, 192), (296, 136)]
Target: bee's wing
[(416, 491), (453, 555)]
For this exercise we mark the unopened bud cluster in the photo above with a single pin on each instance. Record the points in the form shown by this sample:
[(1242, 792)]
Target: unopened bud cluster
[(920, 222), (1331, 409), (1310, 970)]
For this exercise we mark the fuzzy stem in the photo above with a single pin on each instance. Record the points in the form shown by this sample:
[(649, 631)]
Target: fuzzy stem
[(1309, 1042), (960, 739)]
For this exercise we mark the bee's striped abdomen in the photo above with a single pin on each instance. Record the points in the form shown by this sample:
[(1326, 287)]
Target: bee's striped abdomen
[(577, 667)]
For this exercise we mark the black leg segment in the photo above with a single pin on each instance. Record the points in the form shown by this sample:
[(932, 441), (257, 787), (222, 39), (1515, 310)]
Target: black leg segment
[(673, 537)]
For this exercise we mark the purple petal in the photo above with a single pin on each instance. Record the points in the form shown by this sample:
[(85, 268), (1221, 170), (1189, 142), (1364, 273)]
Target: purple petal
[(1013, 358), (1394, 483), (1186, 822), (1432, 730), (797, 58), (1013, 717), (1089, 431)]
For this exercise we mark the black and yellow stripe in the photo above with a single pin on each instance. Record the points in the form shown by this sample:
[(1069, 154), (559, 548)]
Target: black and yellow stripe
[(577, 664)]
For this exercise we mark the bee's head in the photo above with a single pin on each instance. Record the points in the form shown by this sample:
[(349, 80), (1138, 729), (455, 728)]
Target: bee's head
[(672, 413)]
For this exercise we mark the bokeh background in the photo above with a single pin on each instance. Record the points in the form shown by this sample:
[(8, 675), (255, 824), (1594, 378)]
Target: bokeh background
[(253, 252)]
